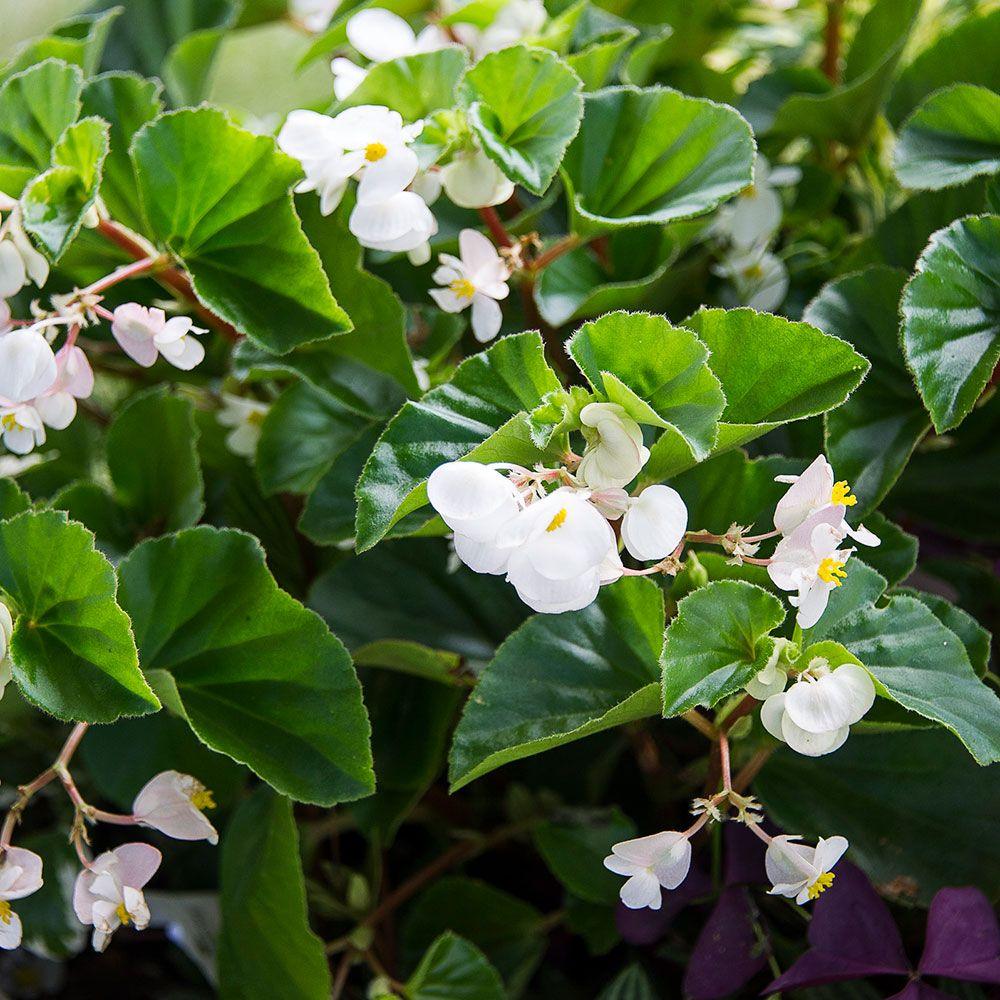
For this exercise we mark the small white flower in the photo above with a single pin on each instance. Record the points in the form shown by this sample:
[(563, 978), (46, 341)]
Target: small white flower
[(808, 563), (772, 678), (74, 380), (172, 803), (473, 180), (108, 894), (20, 262), (615, 453), (801, 872), (143, 334), (816, 490), (403, 223), (380, 36), (27, 365), (815, 714), (654, 523), (515, 21), (22, 428), (20, 876), (752, 218), (477, 278), (245, 417), (661, 860), (759, 277), (313, 15)]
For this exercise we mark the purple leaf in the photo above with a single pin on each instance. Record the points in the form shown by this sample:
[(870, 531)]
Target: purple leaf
[(852, 935), (648, 926), (744, 856), (963, 938), (727, 953)]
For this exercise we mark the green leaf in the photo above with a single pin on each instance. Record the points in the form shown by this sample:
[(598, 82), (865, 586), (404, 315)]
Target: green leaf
[(266, 947), (454, 969), (772, 371), (656, 371), (923, 666), (719, 640), (126, 101), (35, 108), (55, 203), (559, 678), (73, 651), (523, 128), (951, 318), (631, 983), (595, 63), (229, 218), (90, 504), (862, 588), (652, 156), (302, 436), (77, 40), (13, 500), (152, 453), (259, 677), (951, 138), (415, 85), (896, 557), (892, 795), (478, 415), (974, 637), (870, 438)]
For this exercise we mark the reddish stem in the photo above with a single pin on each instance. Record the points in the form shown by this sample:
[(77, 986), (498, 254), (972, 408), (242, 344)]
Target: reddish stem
[(557, 250), (831, 40), (122, 274), (496, 227)]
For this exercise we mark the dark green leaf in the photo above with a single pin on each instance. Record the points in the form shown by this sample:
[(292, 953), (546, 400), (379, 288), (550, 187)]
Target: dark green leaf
[(974, 637), (454, 969)]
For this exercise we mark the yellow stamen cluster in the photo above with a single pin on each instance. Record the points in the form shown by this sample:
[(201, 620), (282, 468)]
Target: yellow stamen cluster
[(463, 288), (374, 151), (123, 915), (832, 570), (821, 884), (842, 494), (9, 422), (558, 521), (5, 911), (201, 798)]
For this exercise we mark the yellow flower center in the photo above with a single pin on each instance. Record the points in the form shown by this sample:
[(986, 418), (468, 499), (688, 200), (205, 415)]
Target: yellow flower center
[(374, 151), (255, 418), (821, 884), (5, 911), (749, 192), (10, 422), (842, 494), (201, 798), (754, 272), (558, 521), (463, 288), (123, 915), (832, 570)]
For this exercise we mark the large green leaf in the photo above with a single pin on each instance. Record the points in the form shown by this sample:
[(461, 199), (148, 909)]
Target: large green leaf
[(951, 138), (974, 637), (656, 371), (229, 217), (72, 647), (523, 126), (896, 797), (718, 641), (35, 108), (772, 371), (919, 663), (455, 969), (266, 947), (478, 415), (559, 678), (652, 156), (258, 676), (951, 318), (78, 40), (870, 438)]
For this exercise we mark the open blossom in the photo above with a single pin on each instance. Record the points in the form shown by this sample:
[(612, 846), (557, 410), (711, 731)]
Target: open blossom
[(172, 803), (20, 262), (759, 278), (815, 714), (20, 876), (816, 490), (754, 216), (515, 21), (473, 180), (245, 417), (654, 523), (615, 453), (27, 370), (659, 861), (144, 334), (6, 631), (809, 563), (74, 380), (477, 278), (108, 894), (380, 36), (801, 872)]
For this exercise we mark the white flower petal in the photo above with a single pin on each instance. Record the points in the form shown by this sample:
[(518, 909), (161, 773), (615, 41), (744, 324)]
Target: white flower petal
[(642, 890), (13, 276), (812, 744), (808, 493), (487, 318), (27, 365), (771, 714), (858, 687), (654, 523), (473, 180), (829, 850), (482, 557), (388, 176), (380, 35)]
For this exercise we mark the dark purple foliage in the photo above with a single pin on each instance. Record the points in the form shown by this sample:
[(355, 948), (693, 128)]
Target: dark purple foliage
[(963, 937)]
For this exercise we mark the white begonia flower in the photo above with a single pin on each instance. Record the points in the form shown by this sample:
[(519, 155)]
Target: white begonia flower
[(814, 490), (753, 217), (74, 380), (313, 15), (659, 861), (108, 895), (20, 876), (654, 523), (20, 262), (404, 223), (515, 21), (801, 872), (172, 803), (615, 453), (759, 277), (815, 714), (473, 180), (560, 545), (6, 631), (314, 140), (380, 36), (245, 417), (22, 428), (477, 278), (771, 679), (27, 365), (143, 334), (808, 563)]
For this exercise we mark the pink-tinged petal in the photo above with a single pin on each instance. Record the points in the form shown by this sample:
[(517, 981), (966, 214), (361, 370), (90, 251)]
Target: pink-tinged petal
[(487, 318), (138, 863), (477, 252), (27, 365), (10, 931), (29, 872), (57, 410), (77, 377), (173, 330), (620, 866), (185, 354), (642, 890), (83, 898), (646, 851)]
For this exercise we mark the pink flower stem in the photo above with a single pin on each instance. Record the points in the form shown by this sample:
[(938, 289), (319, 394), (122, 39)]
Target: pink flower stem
[(756, 562), (727, 775), (758, 832), (761, 538), (123, 273), (118, 819)]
